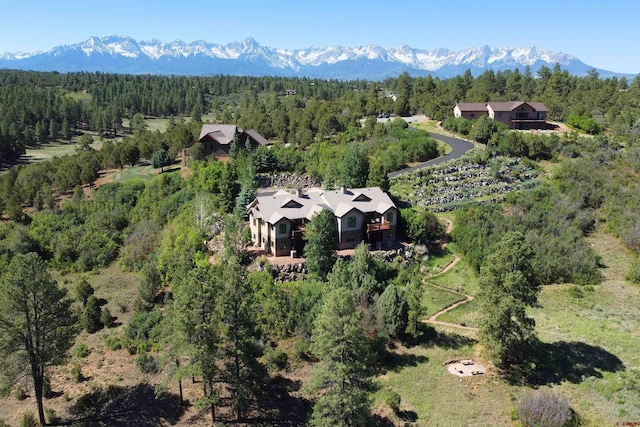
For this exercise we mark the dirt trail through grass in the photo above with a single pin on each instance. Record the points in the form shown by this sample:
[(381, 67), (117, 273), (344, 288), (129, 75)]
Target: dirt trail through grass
[(434, 318)]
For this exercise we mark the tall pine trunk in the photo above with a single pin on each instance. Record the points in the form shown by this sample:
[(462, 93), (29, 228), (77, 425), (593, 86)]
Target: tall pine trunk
[(38, 382)]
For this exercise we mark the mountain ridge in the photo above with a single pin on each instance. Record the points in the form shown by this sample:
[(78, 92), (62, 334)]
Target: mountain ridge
[(123, 54)]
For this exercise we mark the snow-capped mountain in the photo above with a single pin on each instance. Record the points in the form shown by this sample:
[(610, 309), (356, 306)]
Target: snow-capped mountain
[(120, 54)]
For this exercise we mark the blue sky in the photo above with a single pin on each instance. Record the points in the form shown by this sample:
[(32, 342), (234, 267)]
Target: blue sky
[(602, 34)]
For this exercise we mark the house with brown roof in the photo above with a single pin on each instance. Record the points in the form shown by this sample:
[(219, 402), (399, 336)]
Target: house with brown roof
[(277, 221), (515, 114), (217, 138)]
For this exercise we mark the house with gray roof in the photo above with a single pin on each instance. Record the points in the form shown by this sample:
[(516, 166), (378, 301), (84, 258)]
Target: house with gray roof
[(217, 138), (277, 221), (515, 114)]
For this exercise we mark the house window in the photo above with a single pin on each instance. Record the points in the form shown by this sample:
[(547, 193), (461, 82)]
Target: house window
[(282, 229), (472, 115), (499, 114), (351, 222), (254, 222), (390, 217)]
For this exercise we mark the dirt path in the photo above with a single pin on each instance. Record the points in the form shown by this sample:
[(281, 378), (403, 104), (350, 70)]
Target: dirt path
[(434, 318)]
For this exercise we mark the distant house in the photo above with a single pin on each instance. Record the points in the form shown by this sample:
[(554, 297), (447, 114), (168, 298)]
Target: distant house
[(277, 221), (217, 138), (515, 114)]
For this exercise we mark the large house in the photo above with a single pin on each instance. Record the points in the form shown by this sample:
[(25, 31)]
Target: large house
[(217, 138), (515, 114), (278, 220)]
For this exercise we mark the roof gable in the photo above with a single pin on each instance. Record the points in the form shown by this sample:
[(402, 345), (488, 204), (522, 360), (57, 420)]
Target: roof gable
[(359, 197)]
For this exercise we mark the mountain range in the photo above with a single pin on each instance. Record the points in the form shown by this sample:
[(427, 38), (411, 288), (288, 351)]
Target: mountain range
[(121, 54)]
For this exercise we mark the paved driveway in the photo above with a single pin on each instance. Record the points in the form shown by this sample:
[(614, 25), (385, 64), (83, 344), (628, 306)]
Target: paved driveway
[(459, 148)]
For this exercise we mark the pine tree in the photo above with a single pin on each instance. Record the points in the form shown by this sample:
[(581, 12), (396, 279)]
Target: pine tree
[(37, 325), (322, 241), (507, 288), (340, 377), (241, 370), (192, 329)]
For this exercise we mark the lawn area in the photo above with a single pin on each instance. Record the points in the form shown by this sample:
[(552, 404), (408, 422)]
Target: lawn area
[(603, 331), (465, 314), (55, 149), (431, 396), (460, 278), (438, 260), (144, 173), (434, 299)]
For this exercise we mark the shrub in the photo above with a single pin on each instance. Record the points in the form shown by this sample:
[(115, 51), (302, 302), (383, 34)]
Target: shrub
[(544, 409), (82, 350), (146, 363), (575, 292), (52, 417), (29, 420), (21, 394), (393, 400), (76, 373), (105, 318), (113, 343), (276, 359), (634, 272), (83, 291), (301, 350)]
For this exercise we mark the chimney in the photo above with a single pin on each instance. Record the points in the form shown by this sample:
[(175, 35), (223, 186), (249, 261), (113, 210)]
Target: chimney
[(344, 189), (298, 192)]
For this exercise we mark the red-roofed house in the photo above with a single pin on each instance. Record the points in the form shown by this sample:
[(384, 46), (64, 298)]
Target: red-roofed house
[(515, 114)]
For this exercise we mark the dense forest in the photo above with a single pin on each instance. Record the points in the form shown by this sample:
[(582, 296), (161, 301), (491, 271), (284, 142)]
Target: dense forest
[(218, 318)]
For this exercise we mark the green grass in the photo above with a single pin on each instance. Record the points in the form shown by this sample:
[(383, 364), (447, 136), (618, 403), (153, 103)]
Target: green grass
[(145, 173), (434, 299), (432, 396), (466, 314), (438, 260), (460, 278), (79, 96), (55, 149)]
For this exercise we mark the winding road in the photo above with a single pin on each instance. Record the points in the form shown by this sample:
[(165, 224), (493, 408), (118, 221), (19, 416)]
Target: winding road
[(459, 148)]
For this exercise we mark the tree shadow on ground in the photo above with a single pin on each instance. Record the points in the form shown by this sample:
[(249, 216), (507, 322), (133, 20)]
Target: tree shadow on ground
[(126, 406), (408, 416), (570, 361), (279, 407), (447, 340), (397, 361)]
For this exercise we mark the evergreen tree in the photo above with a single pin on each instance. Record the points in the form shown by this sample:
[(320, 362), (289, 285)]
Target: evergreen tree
[(37, 325), (321, 243), (507, 287), (161, 159), (392, 312), (192, 328), (340, 376), (91, 315), (84, 290), (241, 370)]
